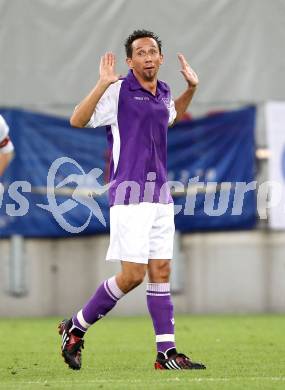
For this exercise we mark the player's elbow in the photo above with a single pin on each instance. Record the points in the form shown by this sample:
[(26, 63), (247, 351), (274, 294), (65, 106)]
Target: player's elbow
[(74, 122), (79, 118)]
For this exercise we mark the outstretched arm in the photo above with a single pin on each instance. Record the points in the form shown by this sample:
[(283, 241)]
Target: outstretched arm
[(86, 107), (183, 101)]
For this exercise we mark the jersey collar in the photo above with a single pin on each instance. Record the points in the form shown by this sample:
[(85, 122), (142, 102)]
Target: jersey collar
[(135, 85)]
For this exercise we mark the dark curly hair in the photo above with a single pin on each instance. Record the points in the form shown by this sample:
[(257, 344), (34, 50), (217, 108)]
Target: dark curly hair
[(140, 34)]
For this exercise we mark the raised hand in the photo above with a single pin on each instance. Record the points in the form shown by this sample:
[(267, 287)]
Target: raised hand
[(188, 73), (107, 69)]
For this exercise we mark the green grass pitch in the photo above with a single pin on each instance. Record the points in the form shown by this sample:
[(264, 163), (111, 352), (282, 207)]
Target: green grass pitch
[(241, 352)]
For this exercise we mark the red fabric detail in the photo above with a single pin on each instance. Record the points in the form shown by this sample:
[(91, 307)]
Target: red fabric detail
[(4, 142), (158, 366)]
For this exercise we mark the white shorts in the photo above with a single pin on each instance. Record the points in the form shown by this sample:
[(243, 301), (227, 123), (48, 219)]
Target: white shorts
[(139, 232)]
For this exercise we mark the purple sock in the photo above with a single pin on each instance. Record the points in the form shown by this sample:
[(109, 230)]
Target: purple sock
[(161, 310), (104, 299)]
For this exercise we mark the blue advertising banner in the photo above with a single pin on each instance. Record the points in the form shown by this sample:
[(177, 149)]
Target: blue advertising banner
[(217, 154), (56, 184)]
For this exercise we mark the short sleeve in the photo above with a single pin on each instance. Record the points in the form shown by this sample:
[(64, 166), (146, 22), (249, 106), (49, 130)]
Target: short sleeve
[(172, 112), (4, 129), (106, 110), (6, 145)]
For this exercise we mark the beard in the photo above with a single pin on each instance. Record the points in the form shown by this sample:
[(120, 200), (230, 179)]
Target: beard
[(149, 74)]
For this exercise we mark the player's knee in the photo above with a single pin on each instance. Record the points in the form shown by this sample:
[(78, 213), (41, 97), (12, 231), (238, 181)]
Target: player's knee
[(165, 269), (160, 273), (132, 275), (164, 273), (135, 278)]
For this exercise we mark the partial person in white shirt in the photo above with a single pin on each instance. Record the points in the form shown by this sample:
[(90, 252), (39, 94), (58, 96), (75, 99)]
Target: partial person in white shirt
[(6, 146)]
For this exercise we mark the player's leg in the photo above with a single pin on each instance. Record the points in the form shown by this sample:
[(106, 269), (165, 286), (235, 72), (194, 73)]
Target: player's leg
[(162, 312), (129, 231), (159, 300), (107, 295), (104, 300), (158, 289), (160, 305), (131, 275), (130, 227)]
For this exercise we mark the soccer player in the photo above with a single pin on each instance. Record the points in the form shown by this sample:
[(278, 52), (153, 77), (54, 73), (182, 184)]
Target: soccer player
[(6, 146), (137, 111)]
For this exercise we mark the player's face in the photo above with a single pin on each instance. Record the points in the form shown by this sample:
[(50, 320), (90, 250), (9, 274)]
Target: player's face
[(146, 58)]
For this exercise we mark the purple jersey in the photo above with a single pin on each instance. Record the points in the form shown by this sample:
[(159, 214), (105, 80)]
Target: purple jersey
[(137, 124)]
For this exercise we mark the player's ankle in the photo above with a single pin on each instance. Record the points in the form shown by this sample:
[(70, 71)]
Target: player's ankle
[(77, 332)]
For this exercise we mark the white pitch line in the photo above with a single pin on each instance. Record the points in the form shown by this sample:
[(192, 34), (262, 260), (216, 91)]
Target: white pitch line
[(159, 380)]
